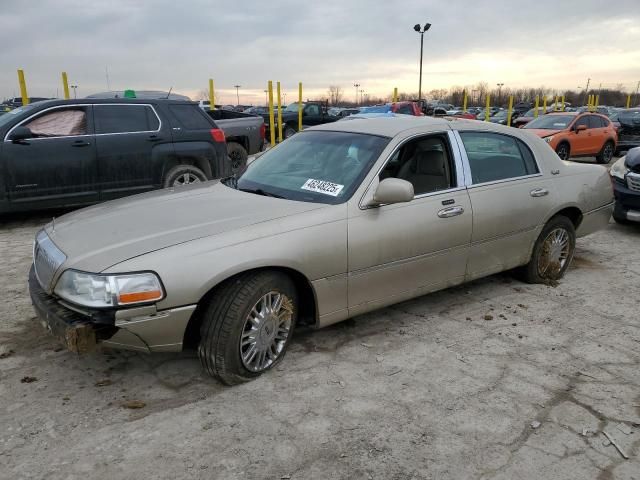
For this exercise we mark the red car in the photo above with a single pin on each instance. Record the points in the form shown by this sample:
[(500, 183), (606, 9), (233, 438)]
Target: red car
[(405, 108)]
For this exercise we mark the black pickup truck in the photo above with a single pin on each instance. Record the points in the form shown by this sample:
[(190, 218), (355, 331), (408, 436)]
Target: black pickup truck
[(313, 113), (63, 153)]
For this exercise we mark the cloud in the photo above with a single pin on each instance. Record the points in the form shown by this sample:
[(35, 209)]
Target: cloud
[(162, 44)]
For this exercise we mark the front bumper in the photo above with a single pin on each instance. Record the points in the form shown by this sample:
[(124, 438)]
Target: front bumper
[(142, 328), (627, 202)]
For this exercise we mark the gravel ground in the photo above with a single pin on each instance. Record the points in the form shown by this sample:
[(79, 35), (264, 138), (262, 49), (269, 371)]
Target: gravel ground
[(494, 379)]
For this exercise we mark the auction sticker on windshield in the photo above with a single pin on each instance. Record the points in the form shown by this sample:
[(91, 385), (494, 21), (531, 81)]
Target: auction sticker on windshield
[(320, 186)]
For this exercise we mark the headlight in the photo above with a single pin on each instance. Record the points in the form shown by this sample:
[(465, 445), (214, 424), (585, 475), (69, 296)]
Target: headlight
[(619, 169), (548, 139), (92, 290)]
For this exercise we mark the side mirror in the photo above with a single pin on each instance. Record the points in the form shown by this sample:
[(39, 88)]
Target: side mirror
[(580, 128), (20, 133), (392, 190)]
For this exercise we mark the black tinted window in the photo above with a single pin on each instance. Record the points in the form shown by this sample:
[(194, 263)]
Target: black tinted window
[(594, 122), (582, 121), (493, 156), (190, 117), (124, 118), (405, 109)]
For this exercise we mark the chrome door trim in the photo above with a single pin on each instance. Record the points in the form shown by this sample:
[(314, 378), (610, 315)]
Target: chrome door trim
[(57, 107)]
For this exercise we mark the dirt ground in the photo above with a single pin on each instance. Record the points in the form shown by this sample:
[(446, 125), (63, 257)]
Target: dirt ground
[(494, 379)]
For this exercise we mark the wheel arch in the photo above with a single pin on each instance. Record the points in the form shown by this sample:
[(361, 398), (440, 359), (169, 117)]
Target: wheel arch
[(195, 161), (307, 300)]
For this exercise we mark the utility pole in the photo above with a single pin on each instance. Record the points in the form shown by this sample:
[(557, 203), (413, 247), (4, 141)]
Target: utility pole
[(586, 90), (361, 96), (237, 87), (75, 87), (500, 85), (357, 85)]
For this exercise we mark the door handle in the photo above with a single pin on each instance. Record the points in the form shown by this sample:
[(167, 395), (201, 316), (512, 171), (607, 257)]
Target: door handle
[(539, 192), (450, 212), (154, 138), (80, 143)]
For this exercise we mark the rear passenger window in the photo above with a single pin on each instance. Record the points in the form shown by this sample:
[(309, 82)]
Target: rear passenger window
[(595, 121), (124, 118), (190, 117), (493, 156)]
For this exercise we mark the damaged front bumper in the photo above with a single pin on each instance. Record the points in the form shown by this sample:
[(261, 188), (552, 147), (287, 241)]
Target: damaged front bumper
[(142, 329)]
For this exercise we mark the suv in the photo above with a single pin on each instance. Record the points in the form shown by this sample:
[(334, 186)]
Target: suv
[(573, 134), (65, 153), (625, 174)]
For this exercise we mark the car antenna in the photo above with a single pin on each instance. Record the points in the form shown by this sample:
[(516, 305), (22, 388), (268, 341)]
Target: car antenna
[(169, 92)]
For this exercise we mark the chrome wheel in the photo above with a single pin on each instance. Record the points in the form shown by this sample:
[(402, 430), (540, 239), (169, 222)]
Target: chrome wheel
[(266, 331), (556, 252), (186, 179), (563, 152), (607, 154)]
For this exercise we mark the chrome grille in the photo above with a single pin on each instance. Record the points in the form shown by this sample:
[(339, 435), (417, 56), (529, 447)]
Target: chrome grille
[(633, 181), (47, 258)]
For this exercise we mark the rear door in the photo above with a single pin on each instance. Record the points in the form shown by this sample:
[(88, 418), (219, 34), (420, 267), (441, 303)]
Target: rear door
[(510, 198), (125, 137), (598, 133), (58, 165)]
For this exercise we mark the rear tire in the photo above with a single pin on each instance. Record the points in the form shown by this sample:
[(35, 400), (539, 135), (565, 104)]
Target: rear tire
[(238, 155), (182, 175), (250, 311), (564, 151), (606, 154), (552, 252)]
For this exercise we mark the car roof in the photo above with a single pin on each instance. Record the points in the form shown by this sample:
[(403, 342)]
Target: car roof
[(107, 101), (387, 126)]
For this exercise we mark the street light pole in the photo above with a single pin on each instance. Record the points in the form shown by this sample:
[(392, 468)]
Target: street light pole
[(421, 31), (500, 85), (357, 85), (74, 90), (266, 100), (237, 93), (361, 97)]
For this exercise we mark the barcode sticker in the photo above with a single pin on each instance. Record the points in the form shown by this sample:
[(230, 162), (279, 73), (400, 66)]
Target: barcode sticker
[(320, 186)]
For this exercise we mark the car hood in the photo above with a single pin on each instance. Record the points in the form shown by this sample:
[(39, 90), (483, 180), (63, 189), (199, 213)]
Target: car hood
[(541, 132), (95, 238)]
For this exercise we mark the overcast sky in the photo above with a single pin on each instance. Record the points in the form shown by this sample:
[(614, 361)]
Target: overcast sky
[(162, 44)]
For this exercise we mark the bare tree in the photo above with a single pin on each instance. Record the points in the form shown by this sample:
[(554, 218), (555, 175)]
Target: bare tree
[(335, 95), (202, 95)]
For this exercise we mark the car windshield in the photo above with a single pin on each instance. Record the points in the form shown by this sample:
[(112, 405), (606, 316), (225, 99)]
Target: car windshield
[(10, 115), (376, 109), (500, 114), (319, 167), (624, 116), (531, 112), (551, 122), (292, 107)]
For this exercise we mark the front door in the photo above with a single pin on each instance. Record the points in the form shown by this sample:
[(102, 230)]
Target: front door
[(312, 115), (407, 249), (580, 141), (125, 137), (58, 165), (510, 198)]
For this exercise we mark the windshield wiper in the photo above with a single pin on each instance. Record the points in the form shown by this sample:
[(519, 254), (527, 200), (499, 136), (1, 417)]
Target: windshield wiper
[(259, 191)]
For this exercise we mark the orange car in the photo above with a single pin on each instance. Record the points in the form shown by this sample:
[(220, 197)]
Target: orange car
[(573, 134)]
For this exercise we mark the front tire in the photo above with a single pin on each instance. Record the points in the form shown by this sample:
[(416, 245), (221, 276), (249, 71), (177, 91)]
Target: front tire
[(288, 132), (564, 151), (606, 154), (552, 252), (182, 175), (247, 326)]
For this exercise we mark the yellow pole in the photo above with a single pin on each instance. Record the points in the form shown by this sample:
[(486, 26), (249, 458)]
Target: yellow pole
[(590, 105), (535, 109), (279, 114), (65, 86), (300, 106), (629, 101), (563, 103), (212, 98), (464, 101), (395, 94), (595, 106), (544, 104), (23, 88), (510, 110), (486, 110), (555, 104), (272, 129)]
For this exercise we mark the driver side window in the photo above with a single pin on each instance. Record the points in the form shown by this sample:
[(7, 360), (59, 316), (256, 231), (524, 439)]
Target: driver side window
[(313, 110), (425, 162), (61, 122)]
